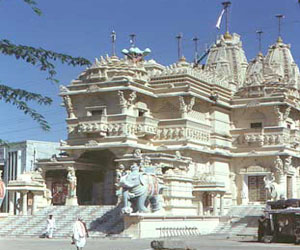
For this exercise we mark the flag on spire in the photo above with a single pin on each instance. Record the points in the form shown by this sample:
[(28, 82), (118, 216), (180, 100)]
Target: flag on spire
[(218, 24)]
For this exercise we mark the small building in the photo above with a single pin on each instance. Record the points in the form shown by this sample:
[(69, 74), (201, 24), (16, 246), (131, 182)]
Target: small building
[(18, 158)]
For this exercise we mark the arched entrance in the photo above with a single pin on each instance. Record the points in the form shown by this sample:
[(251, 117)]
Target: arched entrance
[(96, 186)]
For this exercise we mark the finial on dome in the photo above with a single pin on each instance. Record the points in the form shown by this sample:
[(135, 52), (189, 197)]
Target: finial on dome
[(227, 36), (279, 16), (134, 53)]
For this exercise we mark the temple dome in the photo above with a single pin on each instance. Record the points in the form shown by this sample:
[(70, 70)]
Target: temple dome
[(280, 65), (227, 59), (254, 74)]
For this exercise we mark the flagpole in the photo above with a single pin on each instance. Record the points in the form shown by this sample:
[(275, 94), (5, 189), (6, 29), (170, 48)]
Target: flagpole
[(113, 42), (280, 16), (259, 33), (196, 39), (132, 40), (226, 6), (179, 37)]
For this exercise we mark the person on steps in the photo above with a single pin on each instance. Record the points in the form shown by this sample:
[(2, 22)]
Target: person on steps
[(50, 226), (79, 234)]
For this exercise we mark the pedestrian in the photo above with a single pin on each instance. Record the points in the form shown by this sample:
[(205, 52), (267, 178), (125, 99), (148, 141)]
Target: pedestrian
[(79, 234), (50, 226)]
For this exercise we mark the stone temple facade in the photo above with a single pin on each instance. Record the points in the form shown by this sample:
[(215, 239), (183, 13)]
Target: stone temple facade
[(220, 134)]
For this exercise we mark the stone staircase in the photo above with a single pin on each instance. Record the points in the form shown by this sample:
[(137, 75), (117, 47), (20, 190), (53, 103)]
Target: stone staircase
[(240, 221), (100, 220)]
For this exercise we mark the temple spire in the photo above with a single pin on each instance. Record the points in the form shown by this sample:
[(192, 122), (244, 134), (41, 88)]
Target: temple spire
[(279, 16)]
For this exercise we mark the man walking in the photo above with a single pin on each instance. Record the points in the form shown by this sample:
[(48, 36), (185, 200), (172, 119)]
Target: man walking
[(50, 226), (79, 234)]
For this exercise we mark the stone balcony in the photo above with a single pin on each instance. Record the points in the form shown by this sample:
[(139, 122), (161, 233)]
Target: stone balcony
[(183, 129), (268, 136), (118, 125)]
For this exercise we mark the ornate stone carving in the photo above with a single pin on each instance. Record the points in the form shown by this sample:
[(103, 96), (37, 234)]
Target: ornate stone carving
[(137, 153), (184, 107), (72, 179), (279, 166), (272, 187), (182, 133), (282, 116), (127, 102), (139, 189), (92, 88), (69, 106), (63, 88), (91, 143)]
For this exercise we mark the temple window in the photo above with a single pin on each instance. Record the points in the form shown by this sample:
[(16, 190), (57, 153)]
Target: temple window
[(141, 112), (256, 125), (96, 111)]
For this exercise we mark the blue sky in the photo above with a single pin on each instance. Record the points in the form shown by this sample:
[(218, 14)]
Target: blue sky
[(82, 28)]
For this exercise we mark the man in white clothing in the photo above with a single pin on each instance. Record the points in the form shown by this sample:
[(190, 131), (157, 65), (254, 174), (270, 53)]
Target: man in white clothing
[(50, 226), (79, 234)]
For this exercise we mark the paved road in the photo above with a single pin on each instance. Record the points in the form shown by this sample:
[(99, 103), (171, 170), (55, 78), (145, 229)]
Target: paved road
[(200, 243)]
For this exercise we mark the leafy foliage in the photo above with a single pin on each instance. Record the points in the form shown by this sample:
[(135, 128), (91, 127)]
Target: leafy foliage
[(42, 58), (33, 5), (20, 97)]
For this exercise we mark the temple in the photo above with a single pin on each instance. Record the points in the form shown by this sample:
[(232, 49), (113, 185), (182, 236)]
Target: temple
[(217, 135)]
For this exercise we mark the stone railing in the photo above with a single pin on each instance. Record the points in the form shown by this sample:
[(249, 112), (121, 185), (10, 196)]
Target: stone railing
[(119, 126), (262, 137), (184, 131)]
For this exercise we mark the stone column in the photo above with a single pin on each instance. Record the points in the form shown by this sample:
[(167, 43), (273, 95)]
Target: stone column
[(11, 202), (200, 204), (34, 203), (24, 203), (215, 204), (221, 204), (244, 193)]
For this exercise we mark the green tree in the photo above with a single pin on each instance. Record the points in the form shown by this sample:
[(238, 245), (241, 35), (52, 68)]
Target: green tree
[(42, 58)]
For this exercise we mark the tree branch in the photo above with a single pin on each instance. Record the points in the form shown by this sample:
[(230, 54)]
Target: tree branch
[(19, 97), (40, 57), (33, 5)]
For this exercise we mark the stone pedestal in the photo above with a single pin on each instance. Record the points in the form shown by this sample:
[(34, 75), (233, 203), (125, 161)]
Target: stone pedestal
[(71, 201), (141, 226), (178, 196)]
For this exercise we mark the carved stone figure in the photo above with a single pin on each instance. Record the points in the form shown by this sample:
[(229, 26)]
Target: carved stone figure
[(69, 106), (139, 190), (186, 108), (71, 178), (130, 101), (272, 187)]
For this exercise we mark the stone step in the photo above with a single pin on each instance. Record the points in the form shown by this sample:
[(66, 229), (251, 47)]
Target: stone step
[(35, 225)]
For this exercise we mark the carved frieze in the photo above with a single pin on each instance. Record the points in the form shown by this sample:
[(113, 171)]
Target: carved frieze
[(182, 133)]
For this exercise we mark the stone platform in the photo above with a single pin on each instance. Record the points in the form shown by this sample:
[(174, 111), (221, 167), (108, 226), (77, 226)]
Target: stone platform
[(141, 226)]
